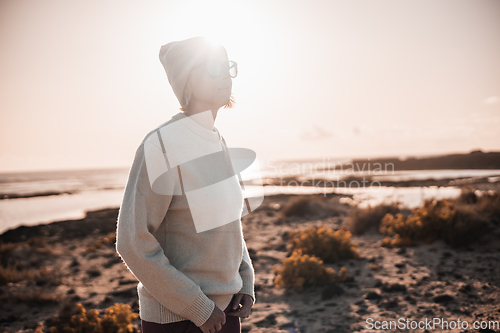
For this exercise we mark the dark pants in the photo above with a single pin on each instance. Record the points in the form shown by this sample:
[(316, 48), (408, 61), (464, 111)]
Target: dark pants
[(232, 325)]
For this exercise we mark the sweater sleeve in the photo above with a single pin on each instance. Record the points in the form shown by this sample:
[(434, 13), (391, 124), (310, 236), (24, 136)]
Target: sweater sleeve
[(141, 213), (246, 268), (247, 273)]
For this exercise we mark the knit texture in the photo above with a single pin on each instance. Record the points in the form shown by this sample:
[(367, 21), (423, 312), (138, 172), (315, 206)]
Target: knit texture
[(178, 58), (183, 272)]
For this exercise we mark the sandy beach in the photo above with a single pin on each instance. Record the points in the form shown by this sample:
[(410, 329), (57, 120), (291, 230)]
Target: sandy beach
[(75, 262)]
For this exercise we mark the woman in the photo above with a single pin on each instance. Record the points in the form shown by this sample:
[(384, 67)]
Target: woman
[(179, 226)]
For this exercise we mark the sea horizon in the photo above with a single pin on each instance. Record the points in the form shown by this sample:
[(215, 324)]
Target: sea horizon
[(47, 196)]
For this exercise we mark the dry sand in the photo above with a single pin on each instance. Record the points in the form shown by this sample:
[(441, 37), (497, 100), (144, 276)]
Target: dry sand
[(425, 281)]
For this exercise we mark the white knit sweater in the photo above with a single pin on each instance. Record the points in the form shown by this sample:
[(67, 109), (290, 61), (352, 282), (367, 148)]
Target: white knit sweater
[(179, 226)]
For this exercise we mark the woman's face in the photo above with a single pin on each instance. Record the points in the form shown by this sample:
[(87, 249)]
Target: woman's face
[(206, 89)]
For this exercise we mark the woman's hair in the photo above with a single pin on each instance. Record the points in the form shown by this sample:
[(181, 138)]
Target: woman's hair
[(231, 102), (227, 106)]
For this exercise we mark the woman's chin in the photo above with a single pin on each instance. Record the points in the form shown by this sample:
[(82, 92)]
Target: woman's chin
[(226, 101)]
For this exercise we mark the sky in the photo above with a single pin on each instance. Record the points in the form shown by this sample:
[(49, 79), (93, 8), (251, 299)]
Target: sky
[(81, 83)]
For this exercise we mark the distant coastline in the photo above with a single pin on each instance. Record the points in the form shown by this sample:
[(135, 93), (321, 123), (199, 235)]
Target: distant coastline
[(476, 159), (107, 179)]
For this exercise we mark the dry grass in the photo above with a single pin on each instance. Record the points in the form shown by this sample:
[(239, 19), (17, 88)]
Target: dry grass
[(74, 318), (31, 296), (23, 261), (465, 228), (34, 245), (311, 247), (467, 196), (436, 219), (486, 203), (329, 245), (108, 240), (310, 206), (362, 220), (489, 204), (300, 271), (38, 276)]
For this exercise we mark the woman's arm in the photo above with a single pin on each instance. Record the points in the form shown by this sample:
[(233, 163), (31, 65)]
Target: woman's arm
[(247, 273), (141, 213), (246, 268)]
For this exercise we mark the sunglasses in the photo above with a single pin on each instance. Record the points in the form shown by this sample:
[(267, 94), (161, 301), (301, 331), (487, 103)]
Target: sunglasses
[(215, 68)]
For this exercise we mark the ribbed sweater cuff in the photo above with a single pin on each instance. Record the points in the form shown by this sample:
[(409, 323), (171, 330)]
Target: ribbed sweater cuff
[(200, 310), (248, 286)]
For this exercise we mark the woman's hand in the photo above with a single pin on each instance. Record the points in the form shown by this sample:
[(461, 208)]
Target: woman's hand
[(215, 322), (241, 305)]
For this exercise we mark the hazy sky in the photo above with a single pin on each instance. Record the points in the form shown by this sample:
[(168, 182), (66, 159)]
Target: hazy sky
[(81, 83)]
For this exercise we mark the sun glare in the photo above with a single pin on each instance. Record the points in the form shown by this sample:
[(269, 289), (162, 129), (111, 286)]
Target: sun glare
[(212, 39), (248, 31), (242, 27), (219, 21)]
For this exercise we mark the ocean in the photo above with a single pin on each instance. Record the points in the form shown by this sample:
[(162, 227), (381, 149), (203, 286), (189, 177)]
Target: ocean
[(30, 198)]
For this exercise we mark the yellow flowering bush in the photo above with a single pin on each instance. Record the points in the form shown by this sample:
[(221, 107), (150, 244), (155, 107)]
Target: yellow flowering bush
[(436, 219), (302, 270), (117, 319), (329, 245)]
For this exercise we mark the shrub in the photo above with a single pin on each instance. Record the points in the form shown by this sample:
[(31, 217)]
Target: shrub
[(108, 240), (30, 295), (40, 276), (76, 319), (436, 219), (423, 224), (364, 219), (397, 241), (326, 244), (467, 196), (302, 206), (11, 253), (300, 271), (489, 204), (465, 228), (486, 203), (118, 318)]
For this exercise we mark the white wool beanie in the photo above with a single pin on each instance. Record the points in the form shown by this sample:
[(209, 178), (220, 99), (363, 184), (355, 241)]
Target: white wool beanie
[(178, 58)]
